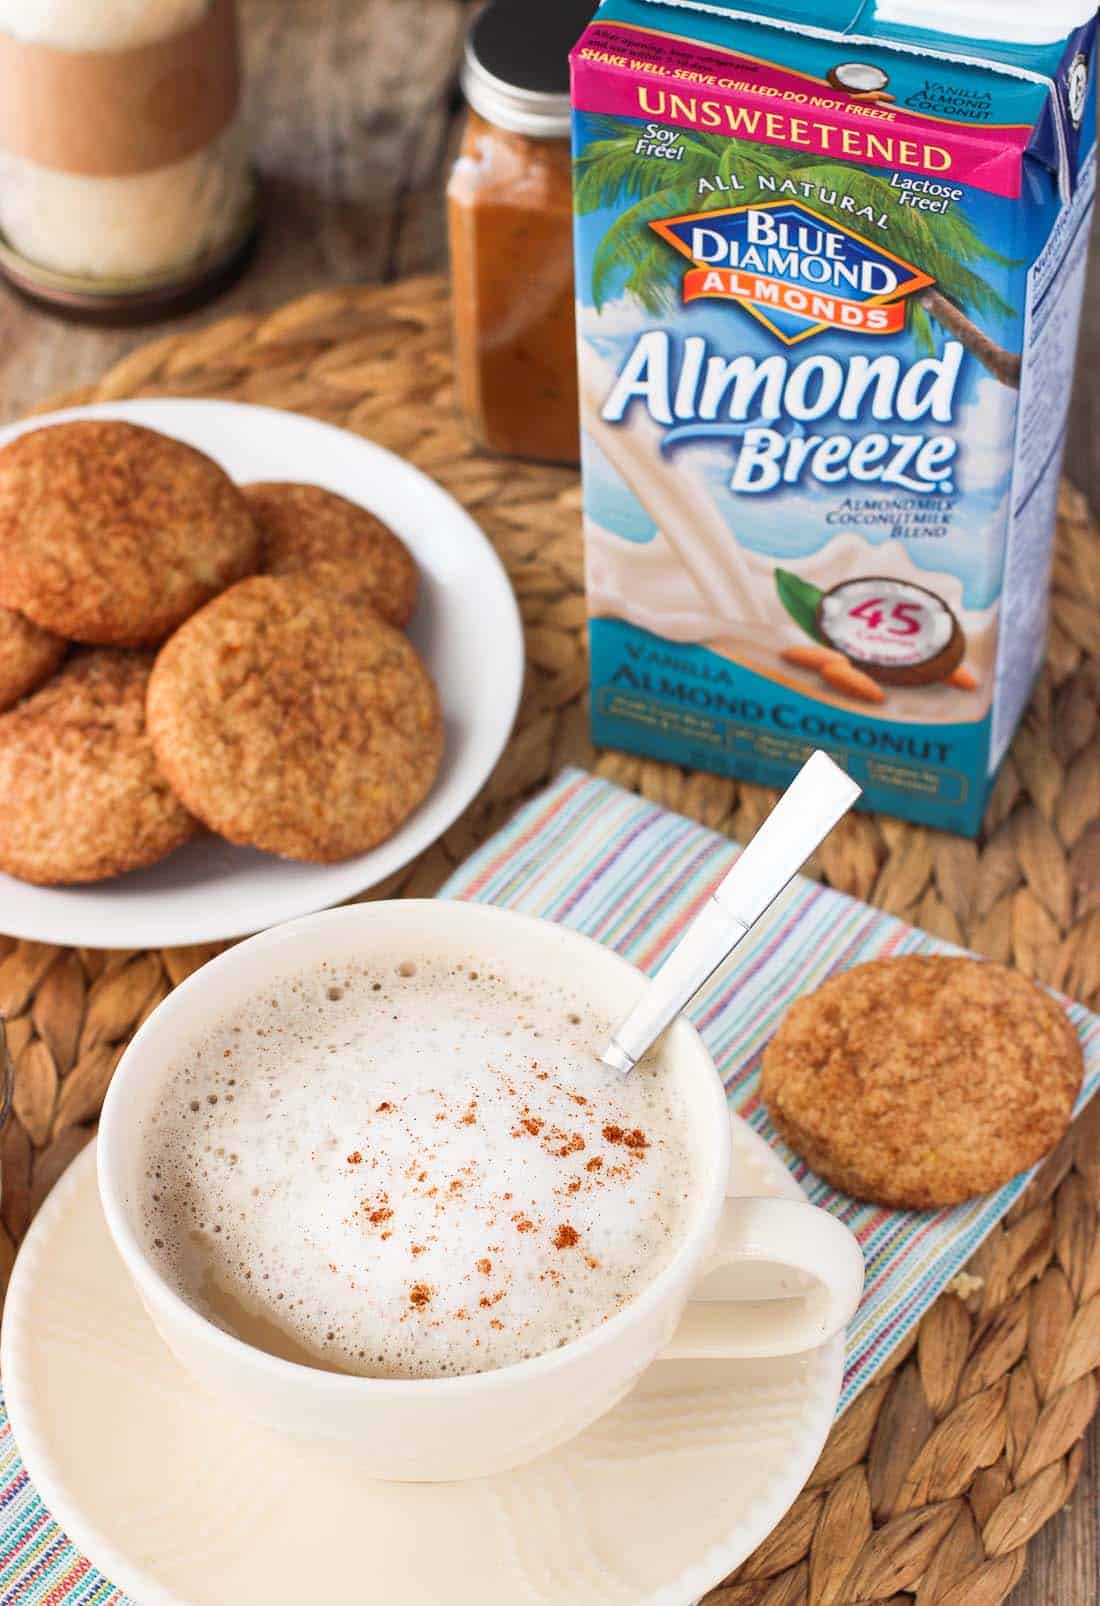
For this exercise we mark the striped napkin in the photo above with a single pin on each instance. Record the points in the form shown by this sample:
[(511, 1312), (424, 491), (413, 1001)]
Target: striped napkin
[(38, 1565), (630, 874)]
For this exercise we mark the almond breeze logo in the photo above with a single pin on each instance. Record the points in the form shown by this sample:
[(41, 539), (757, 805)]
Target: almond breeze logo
[(871, 416), (798, 272)]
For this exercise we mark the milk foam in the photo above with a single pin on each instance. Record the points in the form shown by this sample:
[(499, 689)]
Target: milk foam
[(414, 1173)]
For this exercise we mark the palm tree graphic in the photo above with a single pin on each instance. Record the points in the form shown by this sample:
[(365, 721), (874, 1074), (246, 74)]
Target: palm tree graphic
[(944, 245)]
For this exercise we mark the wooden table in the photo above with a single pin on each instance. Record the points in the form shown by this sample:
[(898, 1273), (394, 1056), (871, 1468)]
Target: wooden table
[(354, 109)]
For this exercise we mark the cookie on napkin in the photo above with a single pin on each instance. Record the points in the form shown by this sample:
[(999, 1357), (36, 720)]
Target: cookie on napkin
[(81, 797), (289, 720), (112, 534), (920, 1080)]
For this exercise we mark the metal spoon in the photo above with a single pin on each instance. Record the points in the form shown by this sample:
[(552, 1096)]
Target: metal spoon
[(820, 795)]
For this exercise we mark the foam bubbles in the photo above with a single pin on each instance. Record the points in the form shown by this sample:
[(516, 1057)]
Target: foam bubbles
[(412, 1173)]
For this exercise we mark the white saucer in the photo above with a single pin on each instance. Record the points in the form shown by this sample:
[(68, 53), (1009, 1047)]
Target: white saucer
[(181, 1506), (467, 627)]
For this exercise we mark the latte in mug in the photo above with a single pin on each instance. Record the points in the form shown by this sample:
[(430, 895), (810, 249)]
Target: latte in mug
[(412, 1173)]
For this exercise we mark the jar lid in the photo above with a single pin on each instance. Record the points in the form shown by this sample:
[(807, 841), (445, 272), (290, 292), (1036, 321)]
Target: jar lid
[(516, 72)]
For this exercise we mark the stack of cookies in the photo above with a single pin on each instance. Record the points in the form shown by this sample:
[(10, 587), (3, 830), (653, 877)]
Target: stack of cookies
[(178, 651)]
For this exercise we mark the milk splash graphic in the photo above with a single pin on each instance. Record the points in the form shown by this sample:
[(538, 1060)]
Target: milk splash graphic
[(829, 271)]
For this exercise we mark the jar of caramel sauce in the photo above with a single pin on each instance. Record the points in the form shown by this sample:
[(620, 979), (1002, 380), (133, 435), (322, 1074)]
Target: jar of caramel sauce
[(510, 220)]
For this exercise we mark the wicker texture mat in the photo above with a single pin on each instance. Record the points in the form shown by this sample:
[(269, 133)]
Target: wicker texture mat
[(934, 1481)]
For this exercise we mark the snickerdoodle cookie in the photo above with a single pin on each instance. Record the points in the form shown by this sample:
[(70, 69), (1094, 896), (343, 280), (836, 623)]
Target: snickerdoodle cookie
[(335, 543), (293, 721), (112, 533), (81, 797), (28, 656), (920, 1080)]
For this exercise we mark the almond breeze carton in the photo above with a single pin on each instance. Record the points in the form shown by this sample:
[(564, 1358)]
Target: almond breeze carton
[(829, 270)]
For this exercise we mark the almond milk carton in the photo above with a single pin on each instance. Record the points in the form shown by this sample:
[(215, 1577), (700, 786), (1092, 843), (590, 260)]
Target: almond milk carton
[(829, 269)]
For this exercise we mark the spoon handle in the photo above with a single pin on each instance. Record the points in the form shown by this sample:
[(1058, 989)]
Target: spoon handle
[(820, 795)]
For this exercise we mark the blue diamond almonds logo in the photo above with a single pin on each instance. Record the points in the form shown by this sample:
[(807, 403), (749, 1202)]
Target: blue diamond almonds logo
[(800, 273)]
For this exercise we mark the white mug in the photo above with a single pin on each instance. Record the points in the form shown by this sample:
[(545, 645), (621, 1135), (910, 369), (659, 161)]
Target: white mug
[(750, 1277)]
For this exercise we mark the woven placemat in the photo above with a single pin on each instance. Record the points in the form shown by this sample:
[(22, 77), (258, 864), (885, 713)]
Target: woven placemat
[(933, 1482)]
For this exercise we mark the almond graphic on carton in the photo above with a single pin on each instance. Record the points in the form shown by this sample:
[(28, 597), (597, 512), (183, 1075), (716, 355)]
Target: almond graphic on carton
[(845, 677)]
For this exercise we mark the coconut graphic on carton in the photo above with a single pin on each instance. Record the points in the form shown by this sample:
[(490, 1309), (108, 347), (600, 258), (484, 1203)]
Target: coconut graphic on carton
[(899, 633), (860, 79)]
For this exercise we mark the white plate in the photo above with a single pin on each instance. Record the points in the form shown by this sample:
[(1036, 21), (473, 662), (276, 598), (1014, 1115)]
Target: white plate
[(180, 1505), (467, 627)]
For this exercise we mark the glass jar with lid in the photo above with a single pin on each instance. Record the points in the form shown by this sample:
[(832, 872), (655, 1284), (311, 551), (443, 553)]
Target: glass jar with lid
[(510, 217), (125, 186)]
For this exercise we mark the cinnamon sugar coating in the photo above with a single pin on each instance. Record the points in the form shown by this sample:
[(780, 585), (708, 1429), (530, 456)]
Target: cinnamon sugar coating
[(28, 656), (291, 721), (308, 531), (111, 533), (921, 1080), (81, 797)]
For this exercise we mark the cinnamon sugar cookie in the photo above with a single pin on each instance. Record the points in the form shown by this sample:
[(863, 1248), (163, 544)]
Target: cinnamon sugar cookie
[(28, 656), (290, 720), (335, 543), (81, 797), (112, 533), (920, 1080)]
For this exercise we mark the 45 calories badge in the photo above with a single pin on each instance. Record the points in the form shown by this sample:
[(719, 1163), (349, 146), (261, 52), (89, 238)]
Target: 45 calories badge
[(874, 632), (795, 270), (899, 633)]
